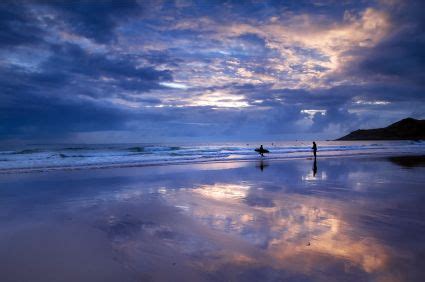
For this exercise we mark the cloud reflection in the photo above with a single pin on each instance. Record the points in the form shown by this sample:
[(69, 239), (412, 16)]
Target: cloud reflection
[(237, 223), (223, 191), (294, 228)]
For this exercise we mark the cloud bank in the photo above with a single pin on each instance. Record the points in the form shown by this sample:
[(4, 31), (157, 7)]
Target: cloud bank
[(144, 71)]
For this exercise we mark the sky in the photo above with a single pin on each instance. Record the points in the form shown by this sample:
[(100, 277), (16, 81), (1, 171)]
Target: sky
[(166, 71)]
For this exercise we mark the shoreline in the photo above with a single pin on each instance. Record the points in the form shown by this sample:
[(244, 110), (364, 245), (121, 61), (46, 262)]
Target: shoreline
[(29, 170)]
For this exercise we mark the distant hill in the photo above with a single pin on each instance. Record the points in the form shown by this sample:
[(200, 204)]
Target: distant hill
[(405, 129)]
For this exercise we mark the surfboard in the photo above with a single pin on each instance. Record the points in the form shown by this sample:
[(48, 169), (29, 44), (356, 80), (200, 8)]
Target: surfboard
[(261, 151)]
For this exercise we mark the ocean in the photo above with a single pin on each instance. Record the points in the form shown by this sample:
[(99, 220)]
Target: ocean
[(80, 156)]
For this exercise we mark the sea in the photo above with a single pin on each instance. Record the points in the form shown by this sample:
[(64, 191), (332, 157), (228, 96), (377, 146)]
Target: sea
[(44, 157)]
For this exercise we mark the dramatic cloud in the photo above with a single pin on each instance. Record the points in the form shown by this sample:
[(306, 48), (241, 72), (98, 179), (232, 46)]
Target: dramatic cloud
[(400, 55), (171, 70), (17, 25), (92, 19)]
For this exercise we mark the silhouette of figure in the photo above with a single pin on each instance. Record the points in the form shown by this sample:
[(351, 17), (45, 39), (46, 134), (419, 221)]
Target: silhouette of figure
[(261, 150), (314, 167), (314, 148)]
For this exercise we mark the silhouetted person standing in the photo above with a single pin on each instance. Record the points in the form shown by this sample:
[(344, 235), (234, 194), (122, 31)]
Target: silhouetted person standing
[(314, 148), (261, 150)]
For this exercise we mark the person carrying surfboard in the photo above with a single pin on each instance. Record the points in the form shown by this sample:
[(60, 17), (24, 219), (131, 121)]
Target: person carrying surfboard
[(261, 151)]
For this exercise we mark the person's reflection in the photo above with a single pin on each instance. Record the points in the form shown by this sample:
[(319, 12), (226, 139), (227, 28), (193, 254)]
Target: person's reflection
[(262, 165), (314, 167)]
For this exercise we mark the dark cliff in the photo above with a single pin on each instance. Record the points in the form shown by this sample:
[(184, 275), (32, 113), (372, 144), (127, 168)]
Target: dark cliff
[(405, 129)]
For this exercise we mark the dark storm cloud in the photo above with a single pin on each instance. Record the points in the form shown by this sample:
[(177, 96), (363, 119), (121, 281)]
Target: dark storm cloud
[(18, 26), (162, 57), (72, 60), (94, 19), (53, 117), (69, 63), (401, 55), (48, 105)]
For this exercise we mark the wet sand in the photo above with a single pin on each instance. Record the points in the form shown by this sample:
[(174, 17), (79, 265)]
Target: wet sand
[(353, 219)]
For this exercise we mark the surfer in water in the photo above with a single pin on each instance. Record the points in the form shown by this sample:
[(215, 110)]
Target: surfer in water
[(314, 148)]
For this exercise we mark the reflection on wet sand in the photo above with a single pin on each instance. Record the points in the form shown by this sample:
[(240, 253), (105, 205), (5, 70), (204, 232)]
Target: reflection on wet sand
[(223, 191), (262, 164), (290, 222), (408, 161), (312, 174), (295, 228)]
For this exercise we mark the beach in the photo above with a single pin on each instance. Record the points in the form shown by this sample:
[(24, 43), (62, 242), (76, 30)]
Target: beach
[(350, 219)]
